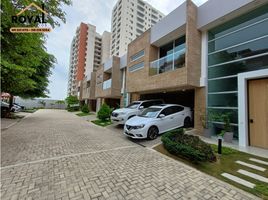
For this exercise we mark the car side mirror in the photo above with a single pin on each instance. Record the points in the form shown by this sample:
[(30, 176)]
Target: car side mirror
[(141, 107), (162, 116)]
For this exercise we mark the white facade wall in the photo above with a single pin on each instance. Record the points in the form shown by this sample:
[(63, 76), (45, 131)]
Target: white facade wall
[(90, 51)]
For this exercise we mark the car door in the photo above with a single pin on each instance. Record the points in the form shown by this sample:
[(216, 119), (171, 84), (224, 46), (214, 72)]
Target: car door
[(165, 123), (179, 115)]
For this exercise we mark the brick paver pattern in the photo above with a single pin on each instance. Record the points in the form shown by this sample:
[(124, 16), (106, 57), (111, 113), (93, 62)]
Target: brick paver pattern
[(53, 154)]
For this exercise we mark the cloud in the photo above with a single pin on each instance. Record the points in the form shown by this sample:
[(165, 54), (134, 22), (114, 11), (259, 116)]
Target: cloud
[(96, 12)]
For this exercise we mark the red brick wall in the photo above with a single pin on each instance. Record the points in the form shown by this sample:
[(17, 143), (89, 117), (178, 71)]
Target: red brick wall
[(81, 52)]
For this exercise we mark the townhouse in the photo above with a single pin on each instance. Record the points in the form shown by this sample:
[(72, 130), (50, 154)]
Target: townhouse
[(235, 65), (110, 82), (212, 58), (165, 61)]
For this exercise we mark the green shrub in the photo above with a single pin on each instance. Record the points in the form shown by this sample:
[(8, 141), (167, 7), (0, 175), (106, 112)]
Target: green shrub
[(104, 112), (85, 109), (187, 146), (72, 108)]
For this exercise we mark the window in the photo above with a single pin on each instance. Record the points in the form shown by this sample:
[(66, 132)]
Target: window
[(176, 109), (147, 104), (140, 25), (151, 103), (136, 67), (234, 47), (137, 56), (167, 111)]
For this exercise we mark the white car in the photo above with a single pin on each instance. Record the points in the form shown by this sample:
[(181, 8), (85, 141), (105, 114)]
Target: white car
[(15, 108), (120, 116), (158, 119)]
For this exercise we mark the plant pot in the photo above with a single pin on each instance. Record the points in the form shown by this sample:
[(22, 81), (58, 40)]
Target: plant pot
[(207, 132), (228, 137)]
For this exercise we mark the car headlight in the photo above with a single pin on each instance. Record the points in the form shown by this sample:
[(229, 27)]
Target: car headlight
[(139, 126)]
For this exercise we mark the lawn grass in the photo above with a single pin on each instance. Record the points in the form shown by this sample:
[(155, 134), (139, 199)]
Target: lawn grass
[(81, 114), (102, 123), (226, 163)]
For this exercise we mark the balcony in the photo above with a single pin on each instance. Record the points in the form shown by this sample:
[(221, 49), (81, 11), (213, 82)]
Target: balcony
[(107, 84), (168, 63), (108, 64)]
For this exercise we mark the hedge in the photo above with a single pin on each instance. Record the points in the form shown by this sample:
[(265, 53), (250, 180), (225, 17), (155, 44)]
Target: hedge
[(187, 146)]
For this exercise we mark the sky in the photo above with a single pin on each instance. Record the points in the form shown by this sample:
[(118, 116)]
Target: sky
[(96, 12)]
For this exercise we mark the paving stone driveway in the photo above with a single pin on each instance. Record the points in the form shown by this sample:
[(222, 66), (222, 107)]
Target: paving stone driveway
[(53, 154)]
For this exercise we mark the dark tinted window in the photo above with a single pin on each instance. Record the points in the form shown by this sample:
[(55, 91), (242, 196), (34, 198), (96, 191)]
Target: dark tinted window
[(176, 109), (151, 103), (147, 104), (167, 111)]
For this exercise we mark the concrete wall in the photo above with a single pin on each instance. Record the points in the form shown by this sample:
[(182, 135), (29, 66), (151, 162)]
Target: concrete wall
[(90, 51), (105, 48), (215, 12), (171, 22), (35, 103)]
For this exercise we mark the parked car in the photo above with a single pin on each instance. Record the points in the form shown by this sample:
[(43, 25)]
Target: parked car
[(158, 119), (15, 108), (4, 108), (120, 116), (22, 107)]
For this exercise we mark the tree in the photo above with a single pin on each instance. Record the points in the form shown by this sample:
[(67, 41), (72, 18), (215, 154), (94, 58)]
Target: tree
[(60, 102), (85, 108), (43, 103), (25, 63), (70, 100), (104, 112)]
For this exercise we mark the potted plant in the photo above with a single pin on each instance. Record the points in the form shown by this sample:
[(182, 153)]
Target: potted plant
[(227, 132)]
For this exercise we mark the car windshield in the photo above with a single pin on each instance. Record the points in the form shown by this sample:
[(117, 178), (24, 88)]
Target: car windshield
[(134, 105), (150, 112)]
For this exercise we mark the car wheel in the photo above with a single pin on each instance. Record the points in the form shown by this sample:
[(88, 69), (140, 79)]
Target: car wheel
[(187, 122), (152, 133)]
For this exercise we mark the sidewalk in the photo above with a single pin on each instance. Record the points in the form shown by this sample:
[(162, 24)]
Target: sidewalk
[(6, 122)]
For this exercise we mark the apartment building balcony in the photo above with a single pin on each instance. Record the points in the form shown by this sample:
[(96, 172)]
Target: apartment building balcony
[(108, 64), (170, 62), (108, 82)]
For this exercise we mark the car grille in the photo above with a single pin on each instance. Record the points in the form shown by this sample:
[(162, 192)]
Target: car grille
[(114, 114), (130, 134)]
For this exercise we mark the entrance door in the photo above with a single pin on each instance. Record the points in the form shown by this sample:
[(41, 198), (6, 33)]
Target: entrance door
[(258, 112)]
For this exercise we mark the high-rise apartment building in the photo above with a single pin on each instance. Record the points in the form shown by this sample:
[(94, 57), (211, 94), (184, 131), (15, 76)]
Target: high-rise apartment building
[(88, 50), (130, 18)]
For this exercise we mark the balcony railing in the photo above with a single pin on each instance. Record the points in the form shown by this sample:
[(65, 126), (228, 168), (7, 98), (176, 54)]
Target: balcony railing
[(168, 63), (107, 84)]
